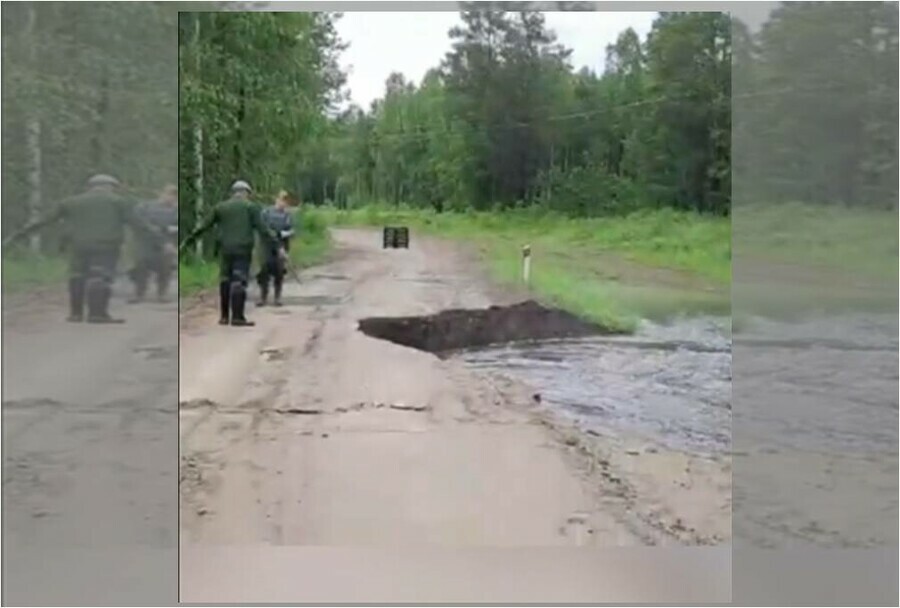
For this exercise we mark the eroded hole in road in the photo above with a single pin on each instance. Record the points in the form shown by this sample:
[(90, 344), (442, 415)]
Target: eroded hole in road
[(453, 330)]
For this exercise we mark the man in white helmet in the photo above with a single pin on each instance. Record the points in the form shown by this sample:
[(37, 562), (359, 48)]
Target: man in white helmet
[(237, 221), (94, 224)]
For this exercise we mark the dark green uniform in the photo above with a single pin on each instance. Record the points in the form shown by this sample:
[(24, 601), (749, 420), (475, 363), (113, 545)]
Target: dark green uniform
[(150, 254), (237, 222), (94, 229)]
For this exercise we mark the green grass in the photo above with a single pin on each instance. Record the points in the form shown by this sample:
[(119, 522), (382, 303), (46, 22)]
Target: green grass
[(309, 247), (797, 259), (862, 242), (595, 268), (23, 271), (682, 241), (792, 259)]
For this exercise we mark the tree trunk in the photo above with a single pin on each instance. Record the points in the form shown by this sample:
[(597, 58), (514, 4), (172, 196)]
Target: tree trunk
[(33, 131), (33, 136), (98, 141), (239, 134), (199, 207)]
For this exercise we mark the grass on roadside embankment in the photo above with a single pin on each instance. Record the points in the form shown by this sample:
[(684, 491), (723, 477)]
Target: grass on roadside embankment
[(23, 271), (858, 241), (586, 266), (310, 246), (796, 259)]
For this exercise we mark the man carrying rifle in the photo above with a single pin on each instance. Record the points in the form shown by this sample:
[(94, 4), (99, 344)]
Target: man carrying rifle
[(155, 257), (280, 221), (94, 223), (237, 220)]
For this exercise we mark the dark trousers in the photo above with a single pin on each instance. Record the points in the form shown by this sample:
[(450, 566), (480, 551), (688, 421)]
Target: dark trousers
[(91, 274), (156, 264), (272, 269), (235, 267), (234, 274)]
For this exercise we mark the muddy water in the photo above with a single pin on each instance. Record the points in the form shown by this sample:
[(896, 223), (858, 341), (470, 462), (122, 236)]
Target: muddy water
[(822, 384), (669, 383)]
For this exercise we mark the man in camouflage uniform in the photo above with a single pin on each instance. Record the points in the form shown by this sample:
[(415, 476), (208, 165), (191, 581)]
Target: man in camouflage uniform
[(238, 221), (279, 220), (94, 224), (154, 257)]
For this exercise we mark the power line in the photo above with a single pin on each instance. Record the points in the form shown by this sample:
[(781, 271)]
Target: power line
[(471, 129)]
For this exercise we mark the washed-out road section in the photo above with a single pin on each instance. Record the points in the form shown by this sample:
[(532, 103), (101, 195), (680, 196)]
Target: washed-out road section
[(304, 432)]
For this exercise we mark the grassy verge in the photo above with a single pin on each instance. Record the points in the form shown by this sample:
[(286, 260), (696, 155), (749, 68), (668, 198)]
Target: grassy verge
[(24, 271), (861, 242), (588, 266), (796, 259), (309, 247)]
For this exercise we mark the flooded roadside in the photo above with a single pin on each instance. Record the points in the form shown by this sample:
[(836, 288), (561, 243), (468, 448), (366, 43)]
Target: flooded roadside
[(669, 383)]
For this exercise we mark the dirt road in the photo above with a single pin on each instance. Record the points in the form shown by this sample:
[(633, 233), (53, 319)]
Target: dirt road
[(302, 431), (89, 455)]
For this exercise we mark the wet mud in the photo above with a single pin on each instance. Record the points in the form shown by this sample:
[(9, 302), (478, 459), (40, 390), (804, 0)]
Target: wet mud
[(453, 330), (668, 383)]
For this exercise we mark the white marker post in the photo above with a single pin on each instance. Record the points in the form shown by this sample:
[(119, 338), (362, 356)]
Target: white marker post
[(526, 264)]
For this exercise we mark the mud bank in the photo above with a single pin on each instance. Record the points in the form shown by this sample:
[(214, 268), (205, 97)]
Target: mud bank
[(453, 330)]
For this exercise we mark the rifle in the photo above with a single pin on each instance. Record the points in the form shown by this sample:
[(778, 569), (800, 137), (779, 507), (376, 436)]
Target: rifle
[(290, 268)]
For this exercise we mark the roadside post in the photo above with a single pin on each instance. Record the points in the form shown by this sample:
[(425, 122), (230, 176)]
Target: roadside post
[(526, 264)]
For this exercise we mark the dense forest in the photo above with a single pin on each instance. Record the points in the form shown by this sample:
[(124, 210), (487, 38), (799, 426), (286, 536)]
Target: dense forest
[(255, 91), (815, 106), (503, 120), (87, 88)]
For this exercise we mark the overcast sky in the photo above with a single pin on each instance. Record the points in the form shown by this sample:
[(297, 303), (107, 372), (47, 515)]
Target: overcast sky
[(412, 43)]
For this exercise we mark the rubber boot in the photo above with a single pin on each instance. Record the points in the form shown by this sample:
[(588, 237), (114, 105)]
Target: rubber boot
[(140, 287), (277, 300), (224, 302), (76, 301), (263, 294), (98, 295), (238, 300), (162, 287)]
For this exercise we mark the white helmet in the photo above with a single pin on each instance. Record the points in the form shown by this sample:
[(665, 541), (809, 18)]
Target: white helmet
[(101, 179), (241, 185)]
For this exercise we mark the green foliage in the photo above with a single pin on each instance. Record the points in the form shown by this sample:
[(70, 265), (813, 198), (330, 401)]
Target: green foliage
[(87, 88), (504, 123), (815, 106), (612, 270), (255, 88), (25, 270), (685, 241), (862, 242)]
